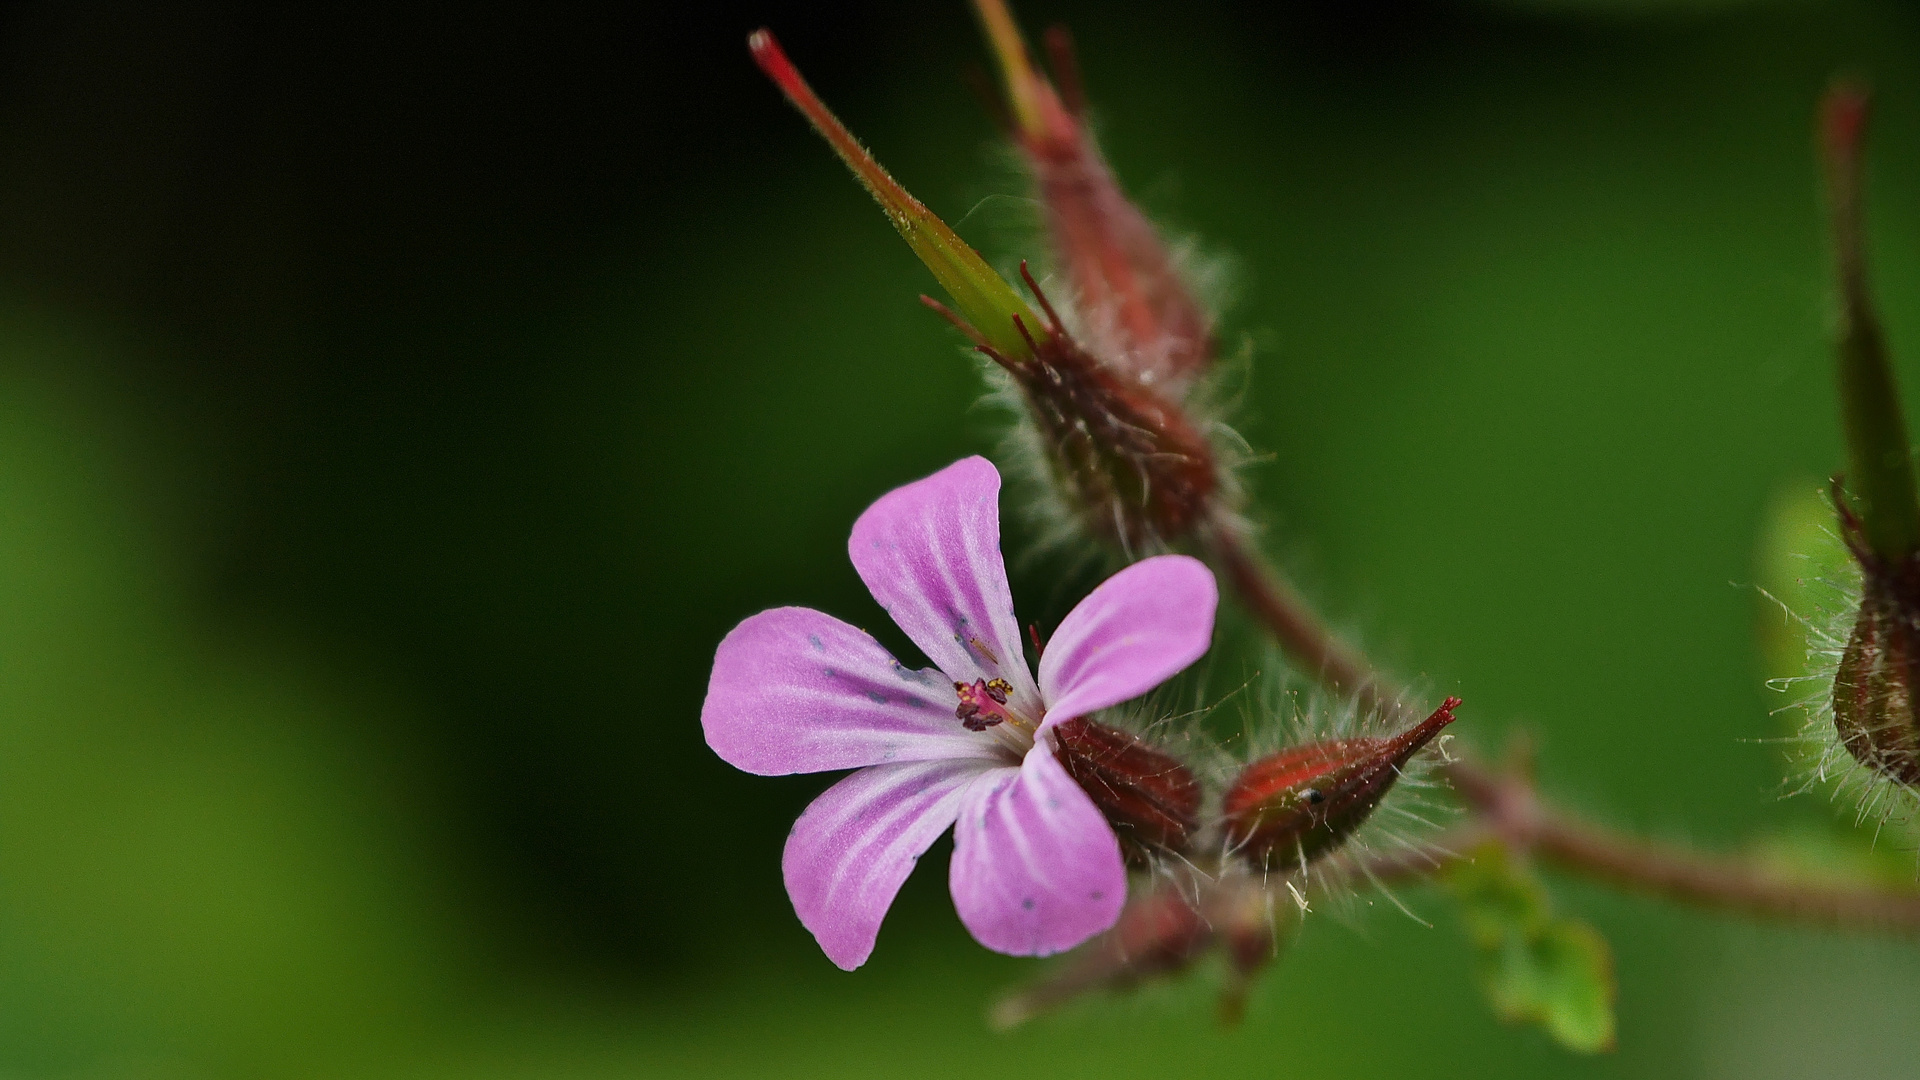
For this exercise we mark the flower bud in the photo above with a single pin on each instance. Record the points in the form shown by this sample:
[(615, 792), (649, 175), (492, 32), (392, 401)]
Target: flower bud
[(1873, 689), (1292, 807), (1135, 471), (1136, 309), (1164, 931), (1150, 798)]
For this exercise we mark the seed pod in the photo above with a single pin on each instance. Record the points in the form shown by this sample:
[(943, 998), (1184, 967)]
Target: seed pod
[(1299, 804), (1135, 470), (1873, 690), (1150, 798)]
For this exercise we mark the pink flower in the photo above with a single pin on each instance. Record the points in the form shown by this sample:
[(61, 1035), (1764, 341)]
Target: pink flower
[(1036, 869)]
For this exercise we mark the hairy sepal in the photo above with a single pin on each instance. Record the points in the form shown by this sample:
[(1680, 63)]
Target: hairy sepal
[(1295, 806)]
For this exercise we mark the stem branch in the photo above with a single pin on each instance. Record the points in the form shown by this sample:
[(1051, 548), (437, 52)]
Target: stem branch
[(1292, 621), (1507, 806), (1516, 814)]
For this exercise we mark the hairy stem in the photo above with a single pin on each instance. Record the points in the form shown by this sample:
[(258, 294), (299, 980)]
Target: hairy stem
[(1507, 807), (1292, 621), (1513, 810)]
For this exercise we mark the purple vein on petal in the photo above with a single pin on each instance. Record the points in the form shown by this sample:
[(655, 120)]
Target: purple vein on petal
[(853, 847), (930, 553), (1139, 628), (794, 690)]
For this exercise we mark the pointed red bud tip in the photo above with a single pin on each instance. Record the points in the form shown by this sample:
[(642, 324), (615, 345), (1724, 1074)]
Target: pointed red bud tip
[(1843, 123), (1294, 806), (1150, 798), (1139, 315)]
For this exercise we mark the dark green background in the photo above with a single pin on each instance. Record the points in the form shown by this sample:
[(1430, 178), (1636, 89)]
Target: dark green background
[(396, 408)]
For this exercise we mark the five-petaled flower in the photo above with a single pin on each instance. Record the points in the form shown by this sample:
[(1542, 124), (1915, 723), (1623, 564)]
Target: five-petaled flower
[(1036, 868)]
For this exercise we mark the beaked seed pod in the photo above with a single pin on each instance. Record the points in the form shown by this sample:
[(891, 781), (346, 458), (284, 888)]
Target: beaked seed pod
[(1136, 471), (1878, 507), (1292, 807)]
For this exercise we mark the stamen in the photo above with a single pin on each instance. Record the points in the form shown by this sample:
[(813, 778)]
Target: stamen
[(983, 704), (981, 648)]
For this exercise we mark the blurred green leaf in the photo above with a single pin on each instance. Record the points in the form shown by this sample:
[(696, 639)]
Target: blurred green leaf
[(1808, 584), (1534, 968)]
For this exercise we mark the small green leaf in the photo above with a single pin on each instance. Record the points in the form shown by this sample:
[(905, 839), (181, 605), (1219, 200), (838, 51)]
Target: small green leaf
[(1560, 977), (1496, 901), (1534, 968)]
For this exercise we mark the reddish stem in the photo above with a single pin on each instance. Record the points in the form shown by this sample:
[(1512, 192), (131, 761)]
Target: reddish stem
[(1510, 810), (1513, 810), (1293, 623)]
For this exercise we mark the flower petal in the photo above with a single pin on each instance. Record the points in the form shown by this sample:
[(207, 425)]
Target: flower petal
[(930, 553), (1036, 869), (1141, 627), (856, 843), (797, 691)]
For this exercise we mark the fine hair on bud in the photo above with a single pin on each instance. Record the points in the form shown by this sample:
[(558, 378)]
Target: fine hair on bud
[(1185, 801), (1850, 691), (1327, 790), (1060, 490), (1104, 391)]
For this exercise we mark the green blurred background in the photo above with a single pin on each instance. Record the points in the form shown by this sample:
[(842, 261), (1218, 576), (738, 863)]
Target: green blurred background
[(398, 405)]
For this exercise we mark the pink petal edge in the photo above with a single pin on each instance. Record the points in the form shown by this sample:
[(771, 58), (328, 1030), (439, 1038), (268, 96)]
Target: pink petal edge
[(1141, 627), (853, 846), (794, 690), (930, 554), (1036, 869)]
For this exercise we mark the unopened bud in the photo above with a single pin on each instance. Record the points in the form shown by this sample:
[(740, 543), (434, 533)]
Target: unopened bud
[(1163, 931), (1873, 690), (1137, 311), (1150, 798), (1292, 807), (1127, 459)]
